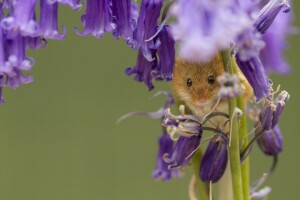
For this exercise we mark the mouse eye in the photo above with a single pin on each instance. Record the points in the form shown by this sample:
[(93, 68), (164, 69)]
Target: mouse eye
[(211, 80), (189, 82)]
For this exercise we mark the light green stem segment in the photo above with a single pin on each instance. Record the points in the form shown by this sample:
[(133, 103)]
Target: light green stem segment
[(234, 150), (244, 142), (202, 187)]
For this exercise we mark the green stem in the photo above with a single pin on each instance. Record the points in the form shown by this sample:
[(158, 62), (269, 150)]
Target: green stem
[(202, 187), (244, 142), (234, 150)]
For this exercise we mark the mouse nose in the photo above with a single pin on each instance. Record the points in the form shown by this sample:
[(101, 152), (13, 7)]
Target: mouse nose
[(202, 100)]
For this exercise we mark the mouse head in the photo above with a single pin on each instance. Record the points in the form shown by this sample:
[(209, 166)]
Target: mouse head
[(196, 83)]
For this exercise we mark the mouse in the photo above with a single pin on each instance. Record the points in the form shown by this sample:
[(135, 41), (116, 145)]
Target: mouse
[(195, 84)]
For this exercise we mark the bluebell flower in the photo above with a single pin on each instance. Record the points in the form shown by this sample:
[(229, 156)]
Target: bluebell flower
[(121, 14), (214, 161), (48, 21), (270, 142), (22, 20), (96, 19), (15, 62), (146, 27), (189, 129), (203, 28), (268, 13), (162, 170), (184, 149), (254, 72), (272, 110), (275, 39), (143, 69), (166, 53), (162, 55)]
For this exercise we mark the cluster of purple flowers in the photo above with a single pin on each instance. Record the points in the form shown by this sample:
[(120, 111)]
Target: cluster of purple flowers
[(183, 133), (189, 129), (202, 28), (20, 30)]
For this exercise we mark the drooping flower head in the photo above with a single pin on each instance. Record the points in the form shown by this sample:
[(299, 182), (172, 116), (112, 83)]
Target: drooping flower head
[(96, 19), (146, 26), (189, 129), (48, 21), (121, 14)]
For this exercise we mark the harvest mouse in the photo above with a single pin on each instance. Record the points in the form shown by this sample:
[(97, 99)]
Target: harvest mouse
[(196, 85)]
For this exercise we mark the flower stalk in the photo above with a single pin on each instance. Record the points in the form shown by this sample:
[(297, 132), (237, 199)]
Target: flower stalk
[(202, 186), (244, 142), (234, 150)]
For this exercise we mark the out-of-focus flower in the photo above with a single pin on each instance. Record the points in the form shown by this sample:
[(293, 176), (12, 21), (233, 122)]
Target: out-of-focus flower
[(214, 161), (270, 142), (275, 42), (205, 27), (229, 86), (96, 19), (268, 13), (48, 21), (161, 170)]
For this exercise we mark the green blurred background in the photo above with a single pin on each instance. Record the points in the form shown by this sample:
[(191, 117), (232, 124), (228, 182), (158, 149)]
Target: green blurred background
[(59, 139)]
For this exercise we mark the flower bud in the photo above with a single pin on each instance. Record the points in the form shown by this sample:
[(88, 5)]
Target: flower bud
[(215, 158), (271, 141)]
